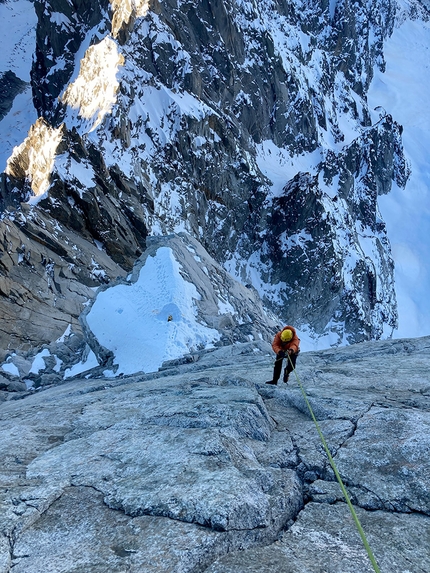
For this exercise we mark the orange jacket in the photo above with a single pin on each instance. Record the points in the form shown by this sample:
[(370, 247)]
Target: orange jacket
[(279, 346)]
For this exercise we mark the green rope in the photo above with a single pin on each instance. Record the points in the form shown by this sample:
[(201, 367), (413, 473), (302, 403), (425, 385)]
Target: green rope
[(339, 479)]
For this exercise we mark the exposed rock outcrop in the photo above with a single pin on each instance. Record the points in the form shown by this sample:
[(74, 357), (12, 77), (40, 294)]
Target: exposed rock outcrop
[(206, 468), (233, 311), (48, 273)]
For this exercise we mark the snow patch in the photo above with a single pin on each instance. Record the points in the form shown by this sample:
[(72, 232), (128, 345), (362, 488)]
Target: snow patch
[(278, 165), (82, 171), (66, 334), (87, 364), (152, 320), (10, 368), (18, 38)]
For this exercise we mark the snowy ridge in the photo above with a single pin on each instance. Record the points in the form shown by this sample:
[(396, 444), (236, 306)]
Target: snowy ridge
[(40, 148), (403, 92)]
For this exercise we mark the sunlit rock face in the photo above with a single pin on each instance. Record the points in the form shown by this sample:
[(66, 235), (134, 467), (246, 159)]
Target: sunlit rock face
[(245, 125), (61, 32), (34, 159)]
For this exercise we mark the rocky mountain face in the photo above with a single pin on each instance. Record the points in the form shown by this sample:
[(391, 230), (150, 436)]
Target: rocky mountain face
[(237, 135), (204, 468), (234, 314), (243, 124)]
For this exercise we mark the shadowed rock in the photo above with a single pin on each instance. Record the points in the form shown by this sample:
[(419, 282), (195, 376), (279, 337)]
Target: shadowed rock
[(10, 87)]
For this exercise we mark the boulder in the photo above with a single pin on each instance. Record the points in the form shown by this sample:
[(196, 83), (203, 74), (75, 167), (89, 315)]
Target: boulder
[(12, 385)]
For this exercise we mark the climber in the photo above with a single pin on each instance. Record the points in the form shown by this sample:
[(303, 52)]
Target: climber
[(286, 344)]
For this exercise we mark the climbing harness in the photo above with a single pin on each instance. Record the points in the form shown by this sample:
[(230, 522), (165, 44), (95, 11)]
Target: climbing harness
[(336, 473)]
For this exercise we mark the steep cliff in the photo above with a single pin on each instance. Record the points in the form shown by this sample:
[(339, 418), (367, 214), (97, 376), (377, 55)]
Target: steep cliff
[(243, 123)]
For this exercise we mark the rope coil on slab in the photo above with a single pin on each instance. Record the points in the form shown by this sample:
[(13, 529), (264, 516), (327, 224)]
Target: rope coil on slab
[(336, 473)]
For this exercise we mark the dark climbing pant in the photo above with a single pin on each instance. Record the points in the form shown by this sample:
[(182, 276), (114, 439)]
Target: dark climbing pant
[(288, 368)]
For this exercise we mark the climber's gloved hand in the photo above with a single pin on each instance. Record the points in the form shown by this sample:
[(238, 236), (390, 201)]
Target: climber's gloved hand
[(281, 354)]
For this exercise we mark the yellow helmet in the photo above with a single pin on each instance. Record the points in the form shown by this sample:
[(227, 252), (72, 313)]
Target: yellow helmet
[(286, 335)]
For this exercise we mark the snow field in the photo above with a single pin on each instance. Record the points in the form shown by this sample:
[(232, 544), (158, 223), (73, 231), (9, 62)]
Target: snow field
[(152, 320)]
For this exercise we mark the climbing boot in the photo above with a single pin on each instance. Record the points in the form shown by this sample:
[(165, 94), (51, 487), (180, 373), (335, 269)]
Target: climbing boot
[(286, 376), (272, 382)]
